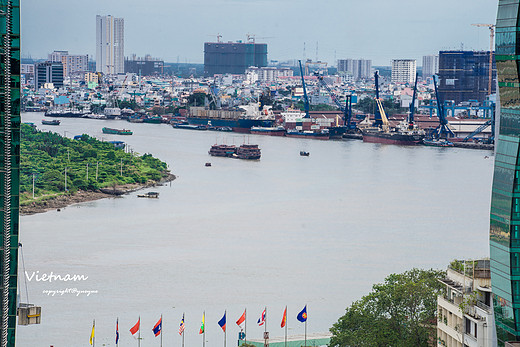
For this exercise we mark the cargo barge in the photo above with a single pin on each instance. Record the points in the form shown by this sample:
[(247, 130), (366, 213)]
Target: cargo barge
[(116, 131)]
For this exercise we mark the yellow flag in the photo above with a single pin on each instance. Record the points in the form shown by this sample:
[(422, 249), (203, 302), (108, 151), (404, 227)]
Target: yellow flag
[(92, 333)]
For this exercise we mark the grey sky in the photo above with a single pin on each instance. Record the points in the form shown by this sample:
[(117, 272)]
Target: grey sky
[(380, 30)]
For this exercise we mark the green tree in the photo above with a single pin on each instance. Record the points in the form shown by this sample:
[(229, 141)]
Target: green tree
[(399, 312)]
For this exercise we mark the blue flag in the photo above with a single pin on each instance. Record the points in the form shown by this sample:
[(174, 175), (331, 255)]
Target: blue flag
[(302, 316), (222, 322)]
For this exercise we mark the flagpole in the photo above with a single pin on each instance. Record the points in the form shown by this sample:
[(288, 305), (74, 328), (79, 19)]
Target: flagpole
[(265, 325), (94, 335), (306, 318), (204, 332), (117, 331), (161, 329), (139, 336), (285, 326), (245, 327), (184, 321), (225, 329)]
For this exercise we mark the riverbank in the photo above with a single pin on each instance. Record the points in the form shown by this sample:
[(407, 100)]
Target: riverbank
[(61, 201)]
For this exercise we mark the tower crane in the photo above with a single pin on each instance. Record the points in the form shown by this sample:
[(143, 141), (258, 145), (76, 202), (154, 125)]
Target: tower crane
[(491, 28)]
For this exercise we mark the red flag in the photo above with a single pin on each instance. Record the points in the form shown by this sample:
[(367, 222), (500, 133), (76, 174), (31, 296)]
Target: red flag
[(135, 328), (284, 318), (242, 318)]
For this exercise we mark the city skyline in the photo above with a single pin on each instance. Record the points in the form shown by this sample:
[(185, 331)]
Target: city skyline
[(176, 31)]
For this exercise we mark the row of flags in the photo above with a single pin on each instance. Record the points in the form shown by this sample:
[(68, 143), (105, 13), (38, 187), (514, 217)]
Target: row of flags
[(157, 329)]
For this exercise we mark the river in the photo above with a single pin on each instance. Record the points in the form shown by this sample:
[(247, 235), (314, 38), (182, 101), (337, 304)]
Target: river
[(284, 230)]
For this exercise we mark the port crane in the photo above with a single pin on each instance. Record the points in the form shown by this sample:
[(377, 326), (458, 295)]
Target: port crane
[(347, 109), (412, 105), (378, 117), (442, 130), (491, 28), (305, 97)]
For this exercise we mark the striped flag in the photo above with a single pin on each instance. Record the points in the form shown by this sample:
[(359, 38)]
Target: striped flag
[(117, 331), (261, 320), (182, 326)]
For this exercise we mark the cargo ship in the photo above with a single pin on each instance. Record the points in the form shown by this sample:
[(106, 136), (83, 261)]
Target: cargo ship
[(116, 131), (65, 112), (240, 120), (271, 131), (391, 137)]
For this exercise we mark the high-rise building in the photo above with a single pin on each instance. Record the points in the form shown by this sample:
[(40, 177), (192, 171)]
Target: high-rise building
[(504, 235), (56, 56), (233, 57), (48, 72), (464, 75), (430, 65), (146, 66), (403, 70), (9, 167), (71, 63), (357, 68), (110, 45)]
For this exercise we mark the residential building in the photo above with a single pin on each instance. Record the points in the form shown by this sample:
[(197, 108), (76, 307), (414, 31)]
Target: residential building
[(56, 56), (74, 64), (504, 235), (404, 70), (146, 66), (10, 169), (233, 57), (464, 313), (464, 76), (48, 72), (430, 65), (266, 74), (110, 45), (357, 68)]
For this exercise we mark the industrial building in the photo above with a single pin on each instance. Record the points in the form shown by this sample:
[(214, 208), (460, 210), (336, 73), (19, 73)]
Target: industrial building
[(48, 72), (464, 313), (146, 66), (233, 57), (430, 65), (504, 236), (464, 75), (357, 68), (403, 70), (110, 45)]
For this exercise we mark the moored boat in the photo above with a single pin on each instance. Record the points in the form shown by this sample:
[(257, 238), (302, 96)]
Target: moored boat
[(271, 131), (437, 143), (391, 137), (309, 134), (50, 122), (116, 131), (190, 126)]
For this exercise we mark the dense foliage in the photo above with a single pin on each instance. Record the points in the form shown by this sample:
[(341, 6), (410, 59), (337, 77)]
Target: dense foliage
[(368, 105), (47, 155), (399, 312)]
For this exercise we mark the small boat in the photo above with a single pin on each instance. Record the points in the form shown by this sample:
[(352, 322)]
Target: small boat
[(50, 122), (151, 195), (207, 164), (117, 131), (437, 143), (304, 154)]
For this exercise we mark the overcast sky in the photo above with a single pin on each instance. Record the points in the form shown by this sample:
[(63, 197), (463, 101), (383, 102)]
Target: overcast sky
[(173, 30)]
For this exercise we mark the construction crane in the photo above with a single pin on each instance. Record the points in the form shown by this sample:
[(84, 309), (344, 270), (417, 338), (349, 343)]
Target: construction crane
[(305, 98), (491, 28), (377, 113), (347, 109), (412, 105), (442, 129)]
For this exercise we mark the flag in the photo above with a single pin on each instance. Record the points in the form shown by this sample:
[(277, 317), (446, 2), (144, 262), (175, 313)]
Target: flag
[(284, 318), (117, 331), (261, 320), (135, 328), (92, 333), (201, 331), (242, 319), (302, 316), (157, 327), (182, 326), (222, 322)]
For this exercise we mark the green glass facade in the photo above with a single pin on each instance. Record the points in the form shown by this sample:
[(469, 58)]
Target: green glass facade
[(9, 159), (505, 201)]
